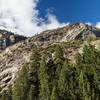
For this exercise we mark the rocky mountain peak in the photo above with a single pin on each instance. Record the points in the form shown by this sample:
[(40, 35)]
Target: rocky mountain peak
[(67, 33)]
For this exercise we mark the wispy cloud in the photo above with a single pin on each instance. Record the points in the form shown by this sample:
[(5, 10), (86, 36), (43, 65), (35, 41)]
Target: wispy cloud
[(98, 24), (89, 23), (21, 16)]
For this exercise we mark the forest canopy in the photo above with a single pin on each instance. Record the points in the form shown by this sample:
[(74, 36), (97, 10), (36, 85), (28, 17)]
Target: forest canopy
[(58, 78)]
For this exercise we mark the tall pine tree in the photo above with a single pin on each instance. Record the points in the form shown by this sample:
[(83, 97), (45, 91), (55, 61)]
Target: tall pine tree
[(63, 82), (21, 86), (44, 81)]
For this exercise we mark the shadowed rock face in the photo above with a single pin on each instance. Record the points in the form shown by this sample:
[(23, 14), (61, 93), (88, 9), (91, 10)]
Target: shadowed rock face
[(8, 38), (12, 58)]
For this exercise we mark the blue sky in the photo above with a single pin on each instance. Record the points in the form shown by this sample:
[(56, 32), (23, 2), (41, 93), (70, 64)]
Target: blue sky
[(29, 17), (72, 10)]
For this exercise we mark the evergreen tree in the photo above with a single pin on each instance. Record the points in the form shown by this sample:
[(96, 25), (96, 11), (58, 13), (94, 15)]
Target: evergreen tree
[(44, 81), (51, 72), (35, 57), (33, 71), (64, 81), (81, 85), (78, 61), (58, 52), (59, 61), (89, 54), (54, 94), (96, 84), (21, 85), (31, 94)]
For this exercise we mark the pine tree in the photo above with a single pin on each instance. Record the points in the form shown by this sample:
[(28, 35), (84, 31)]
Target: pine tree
[(59, 61), (63, 82), (35, 57), (96, 84), (58, 52), (21, 85), (78, 61), (51, 72), (54, 94), (33, 71), (31, 93), (84, 87), (89, 54), (44, 81)]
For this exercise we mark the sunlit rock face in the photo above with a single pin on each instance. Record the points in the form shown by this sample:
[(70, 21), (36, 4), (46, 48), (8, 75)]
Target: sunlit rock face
[(11, 60), (68, 33), (6, 73)]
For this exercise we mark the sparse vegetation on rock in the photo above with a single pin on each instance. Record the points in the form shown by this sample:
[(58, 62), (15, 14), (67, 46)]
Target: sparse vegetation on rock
[(57, 64)]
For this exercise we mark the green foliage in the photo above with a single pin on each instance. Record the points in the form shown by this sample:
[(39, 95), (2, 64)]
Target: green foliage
[(44, 81), (63, 82), (59, 61), (31, 93), (33, 72), (21, 85), (54, 94), (89, 54), (56, 78), (7, 94), (58, 52)]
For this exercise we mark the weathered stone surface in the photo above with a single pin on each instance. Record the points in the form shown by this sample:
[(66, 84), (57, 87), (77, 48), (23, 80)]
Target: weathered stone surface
[(7, 57), (11, 60), (68, 33)]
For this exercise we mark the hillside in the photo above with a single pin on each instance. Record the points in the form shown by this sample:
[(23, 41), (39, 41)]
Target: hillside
[(71, 39)]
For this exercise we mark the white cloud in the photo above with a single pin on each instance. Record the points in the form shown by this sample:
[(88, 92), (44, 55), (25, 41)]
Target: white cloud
[(53, 22), (98, 24), (89, 23), (21, 16)]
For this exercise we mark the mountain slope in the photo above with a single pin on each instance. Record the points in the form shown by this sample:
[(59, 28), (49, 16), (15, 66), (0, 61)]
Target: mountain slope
[(14, 57), (67, 33)]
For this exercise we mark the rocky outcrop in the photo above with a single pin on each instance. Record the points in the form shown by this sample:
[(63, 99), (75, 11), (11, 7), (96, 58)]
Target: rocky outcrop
[(65, 34), (11, 60), (8, 38)]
